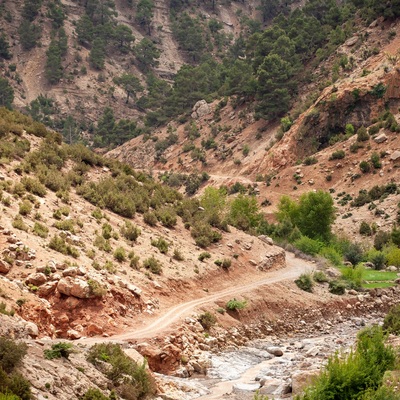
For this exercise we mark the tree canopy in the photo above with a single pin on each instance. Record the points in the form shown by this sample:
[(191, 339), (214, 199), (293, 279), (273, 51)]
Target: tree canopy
[(313, 214)]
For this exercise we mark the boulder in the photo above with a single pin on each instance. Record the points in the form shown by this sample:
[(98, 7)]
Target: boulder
[(70, 271), (391, 268), (32, 329), (276, 351), (4, 267), (94, 329), (74, 287), (73, 334), (134, 289), (200, 109), (333, 273), (395, 156), (36, 279), (266, 239), (302, 379), (380, 138), (47, 288), (352, 41)]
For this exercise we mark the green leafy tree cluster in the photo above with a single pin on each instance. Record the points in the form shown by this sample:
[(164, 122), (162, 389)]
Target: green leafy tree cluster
[(110, 132), (144, 14), (188, 33), (358, 374), (313, 214)]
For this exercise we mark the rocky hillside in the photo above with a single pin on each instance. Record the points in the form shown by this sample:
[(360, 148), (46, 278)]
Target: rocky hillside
[(319, 148), (56, 71)]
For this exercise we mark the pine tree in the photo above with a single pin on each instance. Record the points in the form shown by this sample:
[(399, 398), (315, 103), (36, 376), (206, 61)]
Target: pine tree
[(6, 93), (53, 69)]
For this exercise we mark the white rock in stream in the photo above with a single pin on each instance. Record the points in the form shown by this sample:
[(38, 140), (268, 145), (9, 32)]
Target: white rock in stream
[(247, 387)]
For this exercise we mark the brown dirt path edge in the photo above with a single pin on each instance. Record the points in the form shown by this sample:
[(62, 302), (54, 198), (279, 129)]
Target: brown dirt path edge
[(294, 267)]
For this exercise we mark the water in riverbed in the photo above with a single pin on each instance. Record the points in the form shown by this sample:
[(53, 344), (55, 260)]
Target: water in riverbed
[(236, 375)]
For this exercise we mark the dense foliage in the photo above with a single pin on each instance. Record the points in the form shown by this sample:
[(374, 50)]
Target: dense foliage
[(357, 375)]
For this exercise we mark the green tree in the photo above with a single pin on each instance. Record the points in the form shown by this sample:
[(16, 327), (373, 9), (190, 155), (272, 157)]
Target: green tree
[(144, 14), (188, 33), (313, 214), (130, 83), (105, 127), (85, 29), (56, 14), (123, 37), (53, 68), (274, 84), (29, 34), (147, 54), (244, 213), (6, 93), (97, 54), (31, 9), (4, 47)]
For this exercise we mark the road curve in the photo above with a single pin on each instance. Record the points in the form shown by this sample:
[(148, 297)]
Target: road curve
[(294, 267)]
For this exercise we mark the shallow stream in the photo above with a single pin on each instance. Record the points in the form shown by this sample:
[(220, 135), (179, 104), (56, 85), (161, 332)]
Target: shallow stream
[(274, 366)]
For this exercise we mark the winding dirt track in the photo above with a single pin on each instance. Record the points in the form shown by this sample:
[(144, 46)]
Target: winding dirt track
[(294, 267)]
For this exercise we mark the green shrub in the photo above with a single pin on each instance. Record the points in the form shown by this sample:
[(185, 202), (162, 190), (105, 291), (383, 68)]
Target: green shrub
[(337, 287), (308, 246), (365, 229), (58, 350), (150, 218), (381, 239), (65, 225), (178, 256), (362, 134), (25, 207), (353, 253), (94, 394), (207, 320), (161, 245), (96, 289), (225, 263), (354, 276), (59, 244), (132, 381), (391, 323), (134, 260), (204, 235), (305, 282), (202, 256), (11, 354), (102, 244), (18, 223), (352, 375), (331, 254), (376, 160), (15, 386), (377, 258), (34, 186), (130, 232), (120, 254), (167, 217), (320, 277), (310, 160), (106, 230), (233, 305), (365, 166), (40, 230), (392, 254), (153, 265), (337, 155), (97, 213)]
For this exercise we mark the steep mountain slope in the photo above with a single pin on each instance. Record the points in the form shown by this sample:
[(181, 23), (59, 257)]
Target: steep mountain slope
[(83, 91), (236, 148)]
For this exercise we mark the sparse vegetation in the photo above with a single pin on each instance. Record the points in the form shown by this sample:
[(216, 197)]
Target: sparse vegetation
[(58, 350)]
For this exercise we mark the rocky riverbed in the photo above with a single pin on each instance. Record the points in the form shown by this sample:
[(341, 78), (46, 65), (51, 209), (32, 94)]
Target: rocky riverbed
[(276, 367)]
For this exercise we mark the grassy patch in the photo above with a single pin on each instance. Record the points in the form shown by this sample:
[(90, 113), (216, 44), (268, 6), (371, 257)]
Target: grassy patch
[(375, 285)]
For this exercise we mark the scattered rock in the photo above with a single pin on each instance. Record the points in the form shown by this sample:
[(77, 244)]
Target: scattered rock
[(380, 138), (276, 351)]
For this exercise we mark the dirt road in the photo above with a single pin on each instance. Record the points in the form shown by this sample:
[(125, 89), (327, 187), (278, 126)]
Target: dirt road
[(294, 267)]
